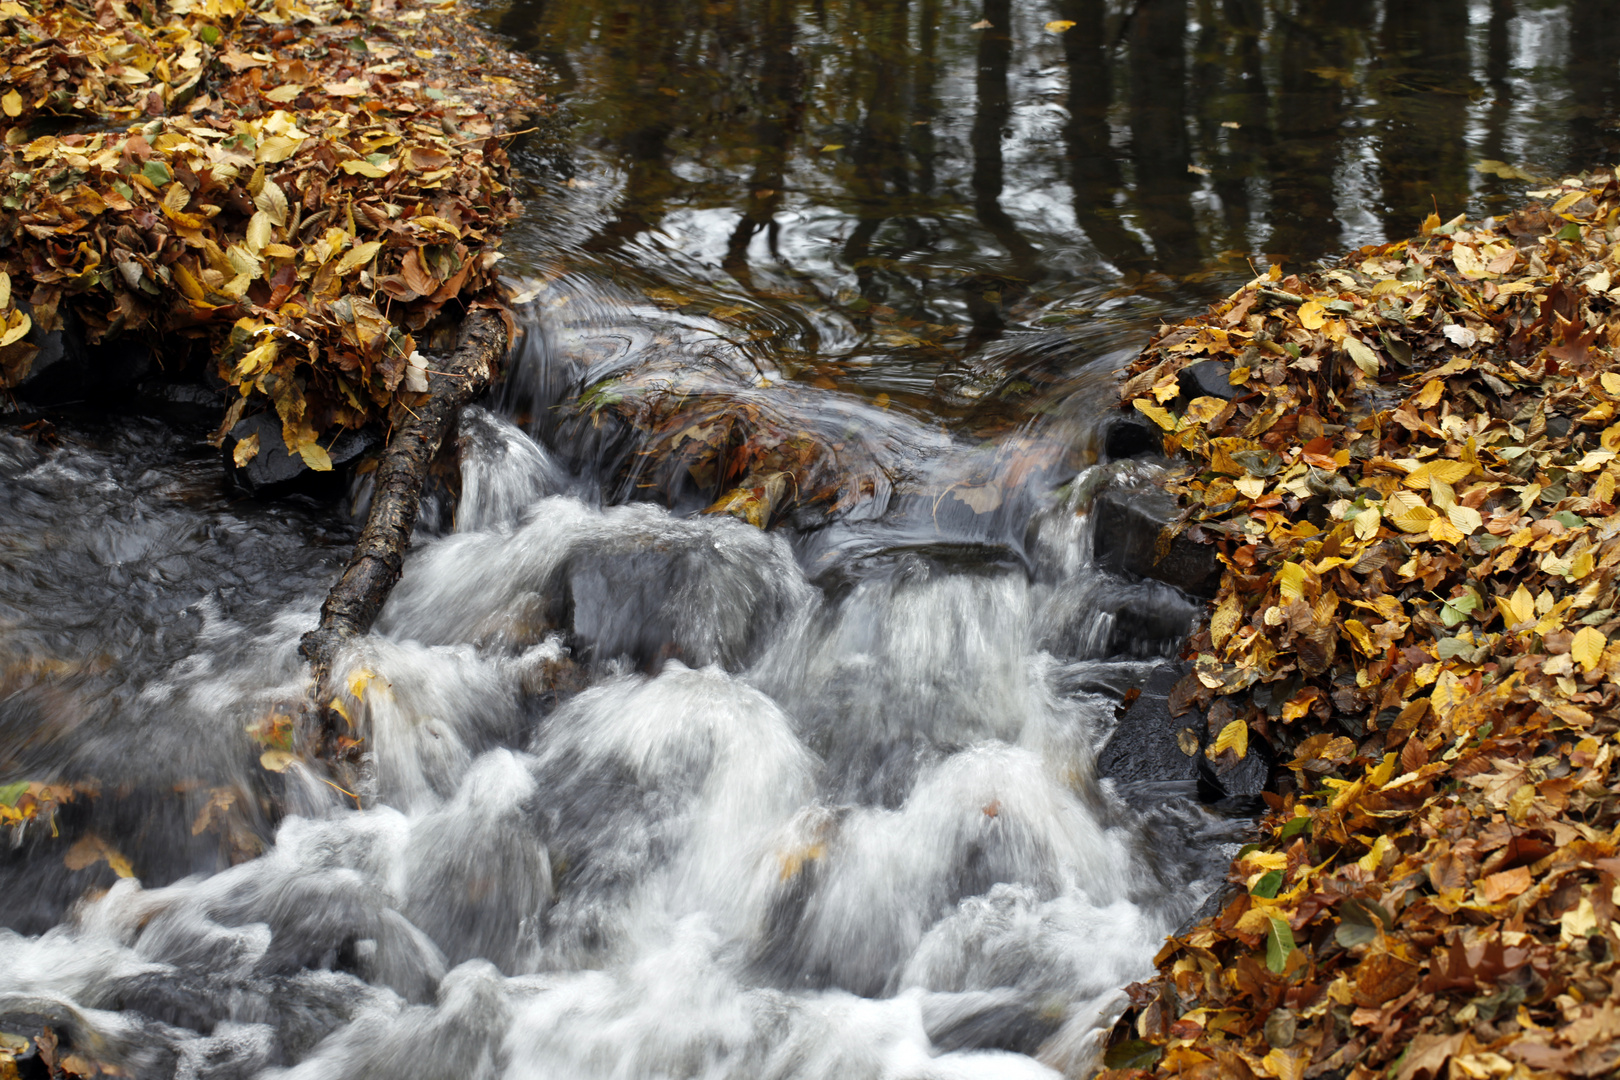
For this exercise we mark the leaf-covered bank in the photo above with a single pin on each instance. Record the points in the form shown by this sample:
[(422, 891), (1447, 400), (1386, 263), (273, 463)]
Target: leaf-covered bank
[(307, 191), (1407, 464)]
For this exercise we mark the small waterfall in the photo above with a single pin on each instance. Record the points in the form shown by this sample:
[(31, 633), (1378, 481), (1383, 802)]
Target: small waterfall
[(640, 797)]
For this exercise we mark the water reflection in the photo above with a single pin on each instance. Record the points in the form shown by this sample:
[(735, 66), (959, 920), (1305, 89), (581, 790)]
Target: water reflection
[(981, 158), (951, 206)]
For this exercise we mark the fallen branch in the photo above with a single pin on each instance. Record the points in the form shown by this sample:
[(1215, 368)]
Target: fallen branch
[(352, 605)]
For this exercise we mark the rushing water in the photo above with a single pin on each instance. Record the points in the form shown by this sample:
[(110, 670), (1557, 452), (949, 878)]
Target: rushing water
[(646, 792)]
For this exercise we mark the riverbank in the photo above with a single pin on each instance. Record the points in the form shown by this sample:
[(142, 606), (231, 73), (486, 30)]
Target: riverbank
[(283, 207), (1407, 465), (290, 201)]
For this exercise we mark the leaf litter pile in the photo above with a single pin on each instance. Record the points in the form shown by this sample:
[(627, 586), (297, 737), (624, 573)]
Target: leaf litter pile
[(306, 189), (1407, 465)]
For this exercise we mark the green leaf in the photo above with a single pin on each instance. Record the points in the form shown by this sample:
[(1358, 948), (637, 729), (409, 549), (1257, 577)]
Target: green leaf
[(1451, 648), (1568, 519), (1279, 943), (1132, 1054), (10, 793), (1268, 886), (1571, 231), (158, 173), (1295, 826), (1359, 922), (209, 34)]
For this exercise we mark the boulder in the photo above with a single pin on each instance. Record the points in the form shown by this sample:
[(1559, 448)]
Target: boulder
[(1131, 435), (272, 472), (1150, 747), (1127, 524)]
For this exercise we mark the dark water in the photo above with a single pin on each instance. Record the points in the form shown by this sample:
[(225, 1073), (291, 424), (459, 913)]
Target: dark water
[(644, 792), (1012, 178)]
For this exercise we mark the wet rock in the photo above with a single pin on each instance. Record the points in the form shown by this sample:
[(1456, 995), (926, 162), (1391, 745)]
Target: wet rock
[(1150, 746), (980, 1021), (1207, 378), (183, 404), (1131, 436), (273, 473), (68, 369), (60, 370), (1126, 538)]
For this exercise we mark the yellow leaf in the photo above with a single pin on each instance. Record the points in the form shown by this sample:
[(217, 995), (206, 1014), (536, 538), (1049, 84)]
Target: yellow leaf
[(1578, 922), (16, 327), (362, 167), (1362, 354), (260, 231), (1225, 620), (1429, 396), (1371, 861), (1312, 315), (273, 202), (1154, 413), (1521, 607), (1569, 200), (1057, 26), (190, 287), (1408, 512), (246, 450), (1379, 774), (359, 256), (1587, 648), (1465, 518), (358, 682), (284, 93), (1442, 530), (1367, 523), (315, 457), (258, 359), (830, 147), (1234, 737), (1291, 581), (11, 103), (1611, 382), (1284, 1065), (278, 148), (1201, 410), (1469, 264), (5, 289), (1360, 635), (276, 760), (119, 864)]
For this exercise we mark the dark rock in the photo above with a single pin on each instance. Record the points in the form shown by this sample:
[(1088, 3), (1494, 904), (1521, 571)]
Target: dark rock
[(980, 1022), (1207, 378), (60, 372), (274, 473), (1127, 525), (1147, 745), (1131, 436), (68, 369), (183, 404), (1240, 779)]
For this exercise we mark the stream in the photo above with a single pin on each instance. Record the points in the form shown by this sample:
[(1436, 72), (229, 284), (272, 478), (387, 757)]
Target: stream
[(649, 792)]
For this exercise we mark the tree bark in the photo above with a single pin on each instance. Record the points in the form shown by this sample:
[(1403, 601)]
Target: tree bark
[(352, 605)]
